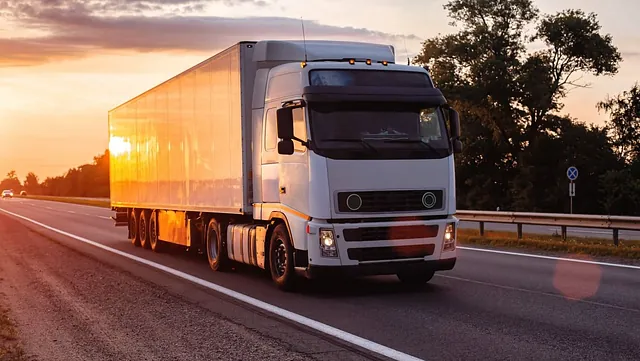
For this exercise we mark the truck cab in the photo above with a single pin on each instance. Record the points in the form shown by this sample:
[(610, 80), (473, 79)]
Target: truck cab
[(355, 154)]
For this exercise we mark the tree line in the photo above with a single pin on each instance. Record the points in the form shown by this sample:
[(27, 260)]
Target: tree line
[(87, 180), (517, 143)]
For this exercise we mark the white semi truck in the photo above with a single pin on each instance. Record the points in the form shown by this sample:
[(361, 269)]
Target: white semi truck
[(302, 158)]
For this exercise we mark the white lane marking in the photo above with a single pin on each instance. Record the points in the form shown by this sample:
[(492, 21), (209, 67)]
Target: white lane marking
[(550, 257), (318, 326), (47, 201), (103, 217), (71, 211), (510, 288)]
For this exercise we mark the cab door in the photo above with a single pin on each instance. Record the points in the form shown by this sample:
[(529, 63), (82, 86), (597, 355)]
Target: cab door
[(270, 165)]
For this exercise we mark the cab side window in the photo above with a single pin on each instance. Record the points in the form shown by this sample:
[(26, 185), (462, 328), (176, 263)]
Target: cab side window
[(299, 129)]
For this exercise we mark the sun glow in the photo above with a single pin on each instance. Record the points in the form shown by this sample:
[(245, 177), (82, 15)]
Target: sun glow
[(119, 146)]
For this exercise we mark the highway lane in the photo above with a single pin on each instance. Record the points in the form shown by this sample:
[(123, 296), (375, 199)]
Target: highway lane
[(491, 306)]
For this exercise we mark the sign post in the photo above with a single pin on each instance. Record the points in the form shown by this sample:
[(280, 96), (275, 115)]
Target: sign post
[(572, 174)]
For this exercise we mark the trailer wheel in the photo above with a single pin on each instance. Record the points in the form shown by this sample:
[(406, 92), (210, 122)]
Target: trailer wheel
[(133, 228), (143, 229), (281, 259), (216, 254), (155, 244)]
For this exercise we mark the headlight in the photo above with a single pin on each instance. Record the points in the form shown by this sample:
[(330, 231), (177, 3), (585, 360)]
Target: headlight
[(328, 246), (449, 243)]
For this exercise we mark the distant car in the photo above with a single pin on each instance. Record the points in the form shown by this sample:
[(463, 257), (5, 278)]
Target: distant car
[(7, 193)]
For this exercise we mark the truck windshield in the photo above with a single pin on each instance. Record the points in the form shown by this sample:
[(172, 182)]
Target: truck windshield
[(380, 129)]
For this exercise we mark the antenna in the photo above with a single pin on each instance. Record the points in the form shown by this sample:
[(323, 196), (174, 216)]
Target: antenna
[(304, 40)]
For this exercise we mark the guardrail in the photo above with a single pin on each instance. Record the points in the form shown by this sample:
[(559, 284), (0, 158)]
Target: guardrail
[(614, 223)]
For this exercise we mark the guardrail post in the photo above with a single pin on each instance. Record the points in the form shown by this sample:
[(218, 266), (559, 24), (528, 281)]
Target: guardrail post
[(519, 230), (481, 228), (616, 237), (564, 232)]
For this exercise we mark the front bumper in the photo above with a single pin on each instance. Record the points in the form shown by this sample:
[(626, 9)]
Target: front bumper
[(380, 248), (376, 269)]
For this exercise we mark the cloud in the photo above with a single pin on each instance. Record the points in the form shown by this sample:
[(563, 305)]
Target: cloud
[(74, 29)]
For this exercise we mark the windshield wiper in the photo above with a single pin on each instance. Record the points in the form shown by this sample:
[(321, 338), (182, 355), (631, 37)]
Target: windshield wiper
[(418, 141), (352, 140)]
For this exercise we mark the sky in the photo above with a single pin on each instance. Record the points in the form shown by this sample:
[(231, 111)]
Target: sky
[(65, 63)]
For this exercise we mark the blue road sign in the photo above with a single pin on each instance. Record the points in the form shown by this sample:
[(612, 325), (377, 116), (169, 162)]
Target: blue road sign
[(572, 173)]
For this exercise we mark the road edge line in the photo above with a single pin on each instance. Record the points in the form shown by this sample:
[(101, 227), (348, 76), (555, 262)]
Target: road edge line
[(618, 265)]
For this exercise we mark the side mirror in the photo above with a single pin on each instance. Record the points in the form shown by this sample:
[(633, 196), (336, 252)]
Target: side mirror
[(457, 146), (285, 124), (285, 147)]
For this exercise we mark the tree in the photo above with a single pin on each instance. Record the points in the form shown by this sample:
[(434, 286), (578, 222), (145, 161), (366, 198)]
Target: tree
[(11, 182), (509, 98), (32, 183), (620, 192), (624, 122)]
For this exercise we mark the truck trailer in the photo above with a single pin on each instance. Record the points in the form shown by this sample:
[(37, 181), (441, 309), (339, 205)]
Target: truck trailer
[(304, 158)]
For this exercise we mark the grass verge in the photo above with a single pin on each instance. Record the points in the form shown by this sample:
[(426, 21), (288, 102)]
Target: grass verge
[(574, 245), (10, 348), (86, 202)]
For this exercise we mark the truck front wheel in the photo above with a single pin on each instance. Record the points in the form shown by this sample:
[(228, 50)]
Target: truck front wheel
[(281, 259)]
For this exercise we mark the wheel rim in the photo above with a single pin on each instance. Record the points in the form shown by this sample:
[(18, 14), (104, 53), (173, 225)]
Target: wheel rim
[(279, 258), (213, 245)]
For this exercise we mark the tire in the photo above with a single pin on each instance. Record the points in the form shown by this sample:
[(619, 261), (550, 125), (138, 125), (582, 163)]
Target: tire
[(155, 244), (216, 252), (133, 228), (143, 229), (281, 259), (415, 278)]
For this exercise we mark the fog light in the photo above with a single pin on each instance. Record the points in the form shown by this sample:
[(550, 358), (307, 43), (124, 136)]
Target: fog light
[(449, 243), (328, 243)]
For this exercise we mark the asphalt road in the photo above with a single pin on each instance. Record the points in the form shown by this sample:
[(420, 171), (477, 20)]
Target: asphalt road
[(492, 306)]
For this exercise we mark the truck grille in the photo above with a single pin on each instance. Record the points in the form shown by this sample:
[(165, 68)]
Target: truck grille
[(390, 253), (390, 201), (389, 233)]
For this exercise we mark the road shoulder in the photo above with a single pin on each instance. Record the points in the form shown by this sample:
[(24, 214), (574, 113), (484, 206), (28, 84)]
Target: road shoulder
[(10, 345)]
